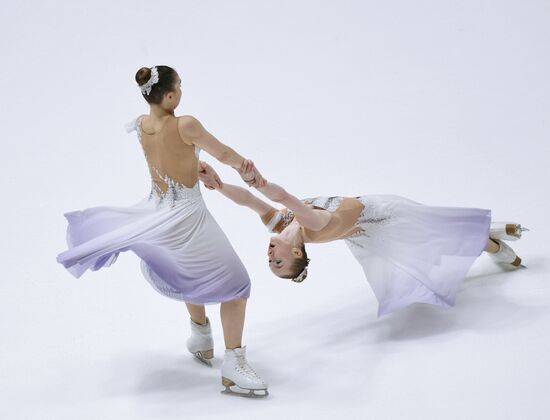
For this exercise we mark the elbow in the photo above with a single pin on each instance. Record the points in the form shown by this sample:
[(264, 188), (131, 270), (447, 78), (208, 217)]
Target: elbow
[(225, 156)]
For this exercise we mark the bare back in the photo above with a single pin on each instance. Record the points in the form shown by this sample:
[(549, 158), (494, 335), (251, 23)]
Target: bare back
[(169, 158)]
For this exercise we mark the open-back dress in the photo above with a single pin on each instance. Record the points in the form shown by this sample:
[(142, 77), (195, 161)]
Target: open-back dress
[(184, 253)]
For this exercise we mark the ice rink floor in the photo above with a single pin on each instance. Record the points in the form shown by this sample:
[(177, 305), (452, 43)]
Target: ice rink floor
[(443, 102)]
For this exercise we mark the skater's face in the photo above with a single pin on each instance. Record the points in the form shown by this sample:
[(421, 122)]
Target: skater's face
[(281, 255)]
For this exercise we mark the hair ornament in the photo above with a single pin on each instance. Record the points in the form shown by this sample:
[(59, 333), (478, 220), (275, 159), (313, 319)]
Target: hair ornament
[(302, 276), (146, 88)]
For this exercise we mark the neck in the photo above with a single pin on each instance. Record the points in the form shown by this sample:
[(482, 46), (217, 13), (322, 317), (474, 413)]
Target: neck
[(293, 234), (158, 111)]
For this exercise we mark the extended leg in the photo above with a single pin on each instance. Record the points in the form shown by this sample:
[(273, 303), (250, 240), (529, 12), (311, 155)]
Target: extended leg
[(492, 247), (232, 315), (197, 313), (236, 372), (501, 253), (200, 343)]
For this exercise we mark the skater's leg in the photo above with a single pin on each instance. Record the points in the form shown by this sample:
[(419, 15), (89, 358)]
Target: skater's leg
[(197, 313), (200, 343), (492, 246), (501, 253), (232, 315), (236, 372)]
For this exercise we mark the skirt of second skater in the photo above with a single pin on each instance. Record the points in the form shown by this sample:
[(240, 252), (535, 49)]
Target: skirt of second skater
[(412, 252)]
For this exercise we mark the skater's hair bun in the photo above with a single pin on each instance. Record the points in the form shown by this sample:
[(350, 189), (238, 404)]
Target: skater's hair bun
[(299, 266), (143, 75), (167, 83)]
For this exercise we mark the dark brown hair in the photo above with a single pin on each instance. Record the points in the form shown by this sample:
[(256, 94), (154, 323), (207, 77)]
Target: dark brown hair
[(298, 265), (166, 83)]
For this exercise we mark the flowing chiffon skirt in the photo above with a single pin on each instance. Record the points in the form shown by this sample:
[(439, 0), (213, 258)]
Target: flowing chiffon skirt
[(184, 253), (411, 252)]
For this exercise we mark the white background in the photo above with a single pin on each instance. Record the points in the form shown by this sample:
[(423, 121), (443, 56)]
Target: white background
[(443, 102)]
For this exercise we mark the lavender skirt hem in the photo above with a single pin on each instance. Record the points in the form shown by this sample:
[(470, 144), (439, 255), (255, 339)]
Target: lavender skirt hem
[(415, 253), (184, 253)]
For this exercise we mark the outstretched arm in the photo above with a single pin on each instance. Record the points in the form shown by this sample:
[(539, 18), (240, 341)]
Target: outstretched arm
[(192, 132), (306, 215), (237, 194)]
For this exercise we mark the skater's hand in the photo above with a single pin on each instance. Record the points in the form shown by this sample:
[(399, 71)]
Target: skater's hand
[(250, 174), (209, 177)]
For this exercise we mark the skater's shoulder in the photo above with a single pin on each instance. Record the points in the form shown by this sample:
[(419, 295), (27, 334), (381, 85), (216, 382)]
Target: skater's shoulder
[(135, 124), (188, 123)]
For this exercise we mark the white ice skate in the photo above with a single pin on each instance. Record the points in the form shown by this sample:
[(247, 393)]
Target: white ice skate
[(238, 374), (508, 231), (505, 255), (201, 344)]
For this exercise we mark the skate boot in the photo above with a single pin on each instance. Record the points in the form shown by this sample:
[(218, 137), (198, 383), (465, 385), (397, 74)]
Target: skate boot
[(505, 255), (200, 344), (506, 230), (236, 372)]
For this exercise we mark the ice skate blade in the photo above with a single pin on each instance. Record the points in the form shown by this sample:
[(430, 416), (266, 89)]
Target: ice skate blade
[(507, 267), (204, 357), (510, 266), (250, 394)]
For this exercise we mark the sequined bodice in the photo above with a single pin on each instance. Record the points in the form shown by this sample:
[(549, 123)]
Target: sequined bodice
[(165, 189), (345, 212), (352, 218)]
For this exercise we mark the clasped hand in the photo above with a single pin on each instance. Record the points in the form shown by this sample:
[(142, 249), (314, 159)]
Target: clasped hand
[(209, 176), (250, 174), (247, 171)]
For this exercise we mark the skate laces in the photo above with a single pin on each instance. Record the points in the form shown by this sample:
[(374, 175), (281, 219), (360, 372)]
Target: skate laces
[(244, 367)]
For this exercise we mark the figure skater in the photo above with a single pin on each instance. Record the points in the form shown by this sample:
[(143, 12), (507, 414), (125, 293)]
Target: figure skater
[(184, 253), (409, 252)]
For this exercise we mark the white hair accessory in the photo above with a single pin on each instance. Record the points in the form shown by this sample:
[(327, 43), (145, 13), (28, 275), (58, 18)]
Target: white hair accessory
[(146, 88), (302, 276)]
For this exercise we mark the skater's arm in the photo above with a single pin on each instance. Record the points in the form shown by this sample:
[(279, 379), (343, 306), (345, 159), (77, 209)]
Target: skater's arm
[(239, 195), (307, 216), (244, 197), (192, 132)]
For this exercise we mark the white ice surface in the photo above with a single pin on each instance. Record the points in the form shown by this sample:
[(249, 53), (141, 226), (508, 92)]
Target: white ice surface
[(443, 102)]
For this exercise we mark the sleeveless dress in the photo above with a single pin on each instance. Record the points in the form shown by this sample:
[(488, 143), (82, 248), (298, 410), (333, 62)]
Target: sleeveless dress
[(184, 253), (409, 252)]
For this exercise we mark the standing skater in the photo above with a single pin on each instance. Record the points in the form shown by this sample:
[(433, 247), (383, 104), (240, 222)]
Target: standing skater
[(409, 252), (184, 253)]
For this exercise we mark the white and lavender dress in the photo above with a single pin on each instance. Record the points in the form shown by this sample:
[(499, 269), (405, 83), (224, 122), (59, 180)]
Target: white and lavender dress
[(184, 253), (409, 252)]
